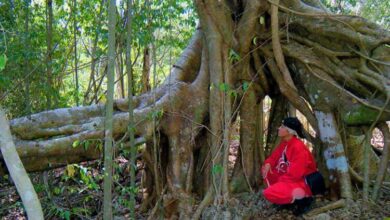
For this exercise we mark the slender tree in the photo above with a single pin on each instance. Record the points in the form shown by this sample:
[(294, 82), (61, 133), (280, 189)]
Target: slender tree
[(108, 143), (18, 173), (92, 84), (49, 52), (131, 126), (75, 51), (146, 70), (147, 59), (27, 52)]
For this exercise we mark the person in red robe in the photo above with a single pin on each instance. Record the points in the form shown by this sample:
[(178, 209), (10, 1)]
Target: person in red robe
[(285, 169)]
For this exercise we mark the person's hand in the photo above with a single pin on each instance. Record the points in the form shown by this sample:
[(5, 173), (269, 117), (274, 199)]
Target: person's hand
[(265, 169)]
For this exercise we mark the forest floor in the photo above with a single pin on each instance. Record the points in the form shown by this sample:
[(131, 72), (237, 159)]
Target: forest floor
[(254, 206), (75, 192), (242, 206)]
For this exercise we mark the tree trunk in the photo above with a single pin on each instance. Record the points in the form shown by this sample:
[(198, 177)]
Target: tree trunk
[(277, 114), (121, 76), (74, 11), (18, 173), (108, 125), (92, 86), (145, 71), (26, 55), (247, 165), (336, 161), (130, 130), (49, 52)]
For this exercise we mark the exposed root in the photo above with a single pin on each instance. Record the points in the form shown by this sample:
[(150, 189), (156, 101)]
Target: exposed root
[(208, 198), (156, 206), (335, 205)]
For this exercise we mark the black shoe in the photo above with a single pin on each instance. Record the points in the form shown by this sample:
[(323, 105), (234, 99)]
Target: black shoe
[(283, 207), (301, 206)]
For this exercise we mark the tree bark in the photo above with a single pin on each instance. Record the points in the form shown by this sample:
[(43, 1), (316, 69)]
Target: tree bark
[(27, 56), (18, 173), (217, 56), (49, 52), (108, 120), (336, 161), (145, 71), (278, 112), (131, 126), (75, 52)]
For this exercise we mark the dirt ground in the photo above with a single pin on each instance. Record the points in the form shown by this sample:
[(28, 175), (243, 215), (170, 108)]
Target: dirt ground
[(242, 206), (253, 206)]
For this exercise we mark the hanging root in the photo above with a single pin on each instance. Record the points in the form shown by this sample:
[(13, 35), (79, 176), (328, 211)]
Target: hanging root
[(347, 52), (277, 48), (287, 91)]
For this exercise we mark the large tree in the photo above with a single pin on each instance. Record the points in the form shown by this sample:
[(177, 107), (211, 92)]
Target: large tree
[(334, 69)]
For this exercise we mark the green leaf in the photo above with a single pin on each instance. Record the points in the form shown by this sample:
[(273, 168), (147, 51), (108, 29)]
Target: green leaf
[(93, 186), (100, 147), (84, 178), (57, 190), (39, 187), (224, 87), (254, 41), (245, 86), (133, 190), (233, 93), (262, 20), (3, 61), (70, 170), (233, 55), (67, 215), (155, 115), (216, 169), (76, 143), (86, 145)]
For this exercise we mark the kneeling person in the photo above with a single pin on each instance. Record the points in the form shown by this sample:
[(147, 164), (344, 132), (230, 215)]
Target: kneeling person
[(285, 169)]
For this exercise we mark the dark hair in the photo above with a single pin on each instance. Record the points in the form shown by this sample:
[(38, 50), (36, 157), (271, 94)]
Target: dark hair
[(295, 124)]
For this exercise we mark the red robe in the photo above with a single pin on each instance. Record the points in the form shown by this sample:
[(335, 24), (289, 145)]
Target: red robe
[(286, 182)]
